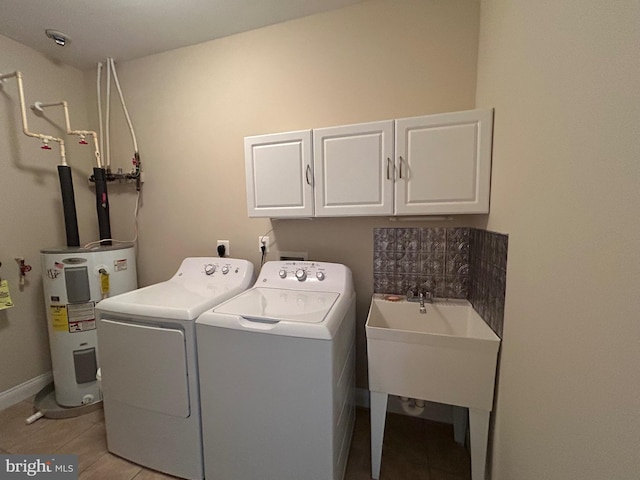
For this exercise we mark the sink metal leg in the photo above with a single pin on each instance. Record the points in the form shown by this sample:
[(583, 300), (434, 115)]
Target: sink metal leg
[(460, 424), (378, 417), (479, 432)]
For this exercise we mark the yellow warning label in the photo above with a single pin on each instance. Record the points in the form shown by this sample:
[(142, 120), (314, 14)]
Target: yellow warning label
[(59, 319), (5, 296), (104, 283)]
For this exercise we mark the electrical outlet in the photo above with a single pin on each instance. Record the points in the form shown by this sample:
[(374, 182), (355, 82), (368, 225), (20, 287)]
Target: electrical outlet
[(263, 240), (226, 247)]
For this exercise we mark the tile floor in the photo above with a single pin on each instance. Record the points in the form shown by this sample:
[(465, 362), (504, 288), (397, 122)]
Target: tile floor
[(414, 449)]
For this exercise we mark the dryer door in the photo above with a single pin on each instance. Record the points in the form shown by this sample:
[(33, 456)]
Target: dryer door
[(144, 366)]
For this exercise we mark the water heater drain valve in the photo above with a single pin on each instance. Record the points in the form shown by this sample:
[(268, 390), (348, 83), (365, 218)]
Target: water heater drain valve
[(24, 268)]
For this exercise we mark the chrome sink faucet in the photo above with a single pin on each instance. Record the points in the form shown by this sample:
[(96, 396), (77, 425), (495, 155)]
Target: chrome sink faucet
[(424, 296), (423, 309)]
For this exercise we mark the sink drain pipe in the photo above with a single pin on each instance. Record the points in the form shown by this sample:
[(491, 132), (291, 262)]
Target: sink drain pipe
[(412, 406)]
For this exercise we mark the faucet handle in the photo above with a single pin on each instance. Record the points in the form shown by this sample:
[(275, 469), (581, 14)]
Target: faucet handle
[(428, 295)]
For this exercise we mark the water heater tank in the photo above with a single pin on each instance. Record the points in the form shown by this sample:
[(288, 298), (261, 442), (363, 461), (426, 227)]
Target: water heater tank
[(74, 280)]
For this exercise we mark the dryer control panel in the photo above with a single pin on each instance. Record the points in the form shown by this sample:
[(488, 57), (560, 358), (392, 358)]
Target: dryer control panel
[(204, 272)]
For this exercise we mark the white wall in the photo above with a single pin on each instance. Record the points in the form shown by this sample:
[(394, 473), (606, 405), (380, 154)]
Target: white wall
[(564, 78), (31, 215)]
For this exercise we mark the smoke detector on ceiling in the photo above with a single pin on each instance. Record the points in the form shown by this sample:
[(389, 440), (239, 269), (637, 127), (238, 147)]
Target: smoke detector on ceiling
[(60, 38)]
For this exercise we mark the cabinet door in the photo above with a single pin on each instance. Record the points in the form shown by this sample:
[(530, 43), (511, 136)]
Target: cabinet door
[(444, 163), (279, 175), (354, 169)]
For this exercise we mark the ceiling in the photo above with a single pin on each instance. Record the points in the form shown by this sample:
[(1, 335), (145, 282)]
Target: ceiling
[(129, 29)]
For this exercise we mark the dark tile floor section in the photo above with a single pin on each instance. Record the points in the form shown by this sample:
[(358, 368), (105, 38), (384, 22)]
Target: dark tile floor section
[(414, 449)]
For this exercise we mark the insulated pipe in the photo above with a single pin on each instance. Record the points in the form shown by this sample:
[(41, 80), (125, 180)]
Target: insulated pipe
[(69, 206), (82, 133), (23, 112), (138, 170), (102, 205)]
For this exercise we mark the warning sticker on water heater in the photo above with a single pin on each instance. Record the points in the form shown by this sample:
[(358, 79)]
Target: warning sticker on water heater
[(59, 320), (82, 317), (5, 296), (119, 265)]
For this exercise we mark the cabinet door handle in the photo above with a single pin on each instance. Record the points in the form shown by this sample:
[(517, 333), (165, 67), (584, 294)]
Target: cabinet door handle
[(400, 168), (307, 174), (388, 168)]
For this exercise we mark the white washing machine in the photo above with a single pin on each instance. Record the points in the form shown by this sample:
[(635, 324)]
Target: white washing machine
[(277, 376), (149, 364)]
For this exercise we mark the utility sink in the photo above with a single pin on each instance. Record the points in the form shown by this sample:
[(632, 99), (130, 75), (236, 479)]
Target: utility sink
[(446, 355)]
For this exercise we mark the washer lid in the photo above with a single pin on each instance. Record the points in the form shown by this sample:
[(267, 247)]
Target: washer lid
[(275, 304)]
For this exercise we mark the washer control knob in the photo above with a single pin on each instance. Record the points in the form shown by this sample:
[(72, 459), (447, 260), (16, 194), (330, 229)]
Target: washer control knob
[(282, 273), (225, 270), (209, 269), (320, 276), (301, 275)]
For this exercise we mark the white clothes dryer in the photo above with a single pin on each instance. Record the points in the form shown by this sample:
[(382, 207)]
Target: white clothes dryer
[(149, 364), (277, 376)]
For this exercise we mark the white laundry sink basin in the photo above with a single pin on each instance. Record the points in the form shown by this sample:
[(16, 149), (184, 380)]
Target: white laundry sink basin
[(447, 355)]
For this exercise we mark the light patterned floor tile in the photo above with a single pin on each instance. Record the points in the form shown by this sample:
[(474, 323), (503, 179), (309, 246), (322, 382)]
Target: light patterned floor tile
[(110, 467)]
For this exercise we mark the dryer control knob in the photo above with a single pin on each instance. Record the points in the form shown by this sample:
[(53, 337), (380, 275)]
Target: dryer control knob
[(225, 270), (301, 275), (320, 276), (282, 273), (209, 269)]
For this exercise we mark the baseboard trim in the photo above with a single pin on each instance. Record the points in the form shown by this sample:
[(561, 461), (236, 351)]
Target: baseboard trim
[(25, 390), (437, 412)]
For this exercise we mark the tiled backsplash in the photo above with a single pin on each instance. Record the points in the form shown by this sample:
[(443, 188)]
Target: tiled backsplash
[(488, 267), (454, 262), (436, 259)]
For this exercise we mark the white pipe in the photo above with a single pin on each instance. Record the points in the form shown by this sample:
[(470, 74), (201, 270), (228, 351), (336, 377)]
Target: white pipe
[(34, 417), (82, 133), (23, 112), (99, 95), (107, 119), (41, 106), (124, 106)]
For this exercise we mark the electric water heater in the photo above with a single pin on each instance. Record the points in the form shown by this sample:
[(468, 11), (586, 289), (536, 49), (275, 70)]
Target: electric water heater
[(74, 280)]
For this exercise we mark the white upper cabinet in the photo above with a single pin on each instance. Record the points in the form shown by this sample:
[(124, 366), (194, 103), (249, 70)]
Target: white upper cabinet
[(279, 173), (444, 163), (353, 165), (429, 165)]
